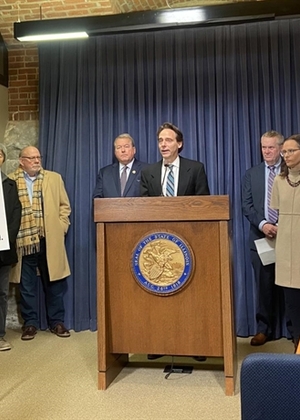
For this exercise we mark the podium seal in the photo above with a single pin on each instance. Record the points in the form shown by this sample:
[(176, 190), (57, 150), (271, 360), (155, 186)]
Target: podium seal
[(162, 263)]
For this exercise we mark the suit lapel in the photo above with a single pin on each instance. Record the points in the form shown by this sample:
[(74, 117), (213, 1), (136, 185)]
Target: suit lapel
[(132, 176), (184, 177), (156, 178), (45, 182), (260, 182), (116, 178)]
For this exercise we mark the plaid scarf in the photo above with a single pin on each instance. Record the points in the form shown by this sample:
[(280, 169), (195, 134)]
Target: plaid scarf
[(32, 222)]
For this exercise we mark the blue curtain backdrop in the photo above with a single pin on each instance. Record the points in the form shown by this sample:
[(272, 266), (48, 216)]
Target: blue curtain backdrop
[(222, 86)]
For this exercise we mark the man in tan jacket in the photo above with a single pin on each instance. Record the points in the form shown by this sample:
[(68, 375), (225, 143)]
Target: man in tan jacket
[(41, 243)]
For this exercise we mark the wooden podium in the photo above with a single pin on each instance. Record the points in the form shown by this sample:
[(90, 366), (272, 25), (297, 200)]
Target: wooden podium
[(199, 319)]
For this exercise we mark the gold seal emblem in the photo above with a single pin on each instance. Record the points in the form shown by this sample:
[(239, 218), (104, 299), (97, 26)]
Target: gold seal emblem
[(162, 263)]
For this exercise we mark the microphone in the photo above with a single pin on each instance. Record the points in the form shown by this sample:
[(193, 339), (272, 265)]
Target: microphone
[(166, 165)]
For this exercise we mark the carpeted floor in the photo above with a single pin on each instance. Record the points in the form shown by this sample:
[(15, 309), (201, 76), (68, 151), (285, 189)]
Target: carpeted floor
[(51, 378)]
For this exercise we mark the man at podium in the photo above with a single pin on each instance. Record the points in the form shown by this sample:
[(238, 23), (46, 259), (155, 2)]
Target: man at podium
[(173, 175)]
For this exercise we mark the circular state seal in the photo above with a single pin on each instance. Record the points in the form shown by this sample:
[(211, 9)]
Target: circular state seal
[(162, 263)]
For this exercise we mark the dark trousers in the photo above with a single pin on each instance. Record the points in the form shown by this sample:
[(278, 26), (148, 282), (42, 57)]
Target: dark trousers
[(292, 310), (267, 294), (4, 285), (54, 290)]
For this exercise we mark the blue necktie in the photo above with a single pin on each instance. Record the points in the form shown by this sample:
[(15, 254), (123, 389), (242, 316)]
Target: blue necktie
[(170, 182), (272, 214)]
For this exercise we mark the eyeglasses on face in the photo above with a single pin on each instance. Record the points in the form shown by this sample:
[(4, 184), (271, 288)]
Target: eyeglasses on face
[(288, 152), (32, 158)]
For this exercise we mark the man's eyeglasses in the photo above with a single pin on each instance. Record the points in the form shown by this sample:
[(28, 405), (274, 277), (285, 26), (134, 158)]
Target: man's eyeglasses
[(32, 157), (288, 152)]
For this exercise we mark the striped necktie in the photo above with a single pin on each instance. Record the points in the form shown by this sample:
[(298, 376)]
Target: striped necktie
[(272, 214), (170, 182)]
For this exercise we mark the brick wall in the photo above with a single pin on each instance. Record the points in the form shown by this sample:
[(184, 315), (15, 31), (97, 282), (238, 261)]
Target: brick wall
[(23, 59), (23, 84)]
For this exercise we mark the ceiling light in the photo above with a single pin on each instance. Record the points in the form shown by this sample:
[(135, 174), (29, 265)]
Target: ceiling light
[(52, 37), (153, 20)]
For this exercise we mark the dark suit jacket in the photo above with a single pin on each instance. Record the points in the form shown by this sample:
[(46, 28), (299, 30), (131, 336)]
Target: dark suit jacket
[(108, 181), (192, 179), (13, 210), (253, 200)]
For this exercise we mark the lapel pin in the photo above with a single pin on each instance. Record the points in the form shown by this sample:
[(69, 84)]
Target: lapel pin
[(133, 172)]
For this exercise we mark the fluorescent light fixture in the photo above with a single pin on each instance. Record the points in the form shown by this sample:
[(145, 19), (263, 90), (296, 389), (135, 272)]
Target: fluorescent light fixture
[(52, 37), (155, 20), (182, 16), (50, 30)]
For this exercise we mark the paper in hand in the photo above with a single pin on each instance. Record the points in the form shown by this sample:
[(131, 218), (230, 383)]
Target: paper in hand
[(266, 250)]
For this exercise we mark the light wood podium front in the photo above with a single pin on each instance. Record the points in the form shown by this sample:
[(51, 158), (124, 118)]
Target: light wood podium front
[(198, 319)]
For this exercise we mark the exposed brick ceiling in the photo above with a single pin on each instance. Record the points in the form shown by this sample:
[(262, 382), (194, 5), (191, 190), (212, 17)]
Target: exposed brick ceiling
[(14, 10)]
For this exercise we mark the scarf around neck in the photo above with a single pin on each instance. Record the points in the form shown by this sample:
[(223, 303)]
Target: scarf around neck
[(32, 222)]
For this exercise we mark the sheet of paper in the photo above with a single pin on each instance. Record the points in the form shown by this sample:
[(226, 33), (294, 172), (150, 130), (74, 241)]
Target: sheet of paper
[(266, 250), (4, 242)]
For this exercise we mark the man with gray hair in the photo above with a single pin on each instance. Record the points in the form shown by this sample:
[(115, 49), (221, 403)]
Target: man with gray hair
[(256, 191), (41, 243), (120, 179)]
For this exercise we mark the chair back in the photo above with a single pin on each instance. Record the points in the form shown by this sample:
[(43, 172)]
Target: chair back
[(270, 387)]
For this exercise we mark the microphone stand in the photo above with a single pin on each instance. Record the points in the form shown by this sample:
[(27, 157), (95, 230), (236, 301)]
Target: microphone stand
[(171, 368), (177, 369)]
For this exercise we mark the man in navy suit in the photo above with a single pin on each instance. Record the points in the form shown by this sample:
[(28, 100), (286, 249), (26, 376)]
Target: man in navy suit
[(189, 175), (109, 178), (255, 209)]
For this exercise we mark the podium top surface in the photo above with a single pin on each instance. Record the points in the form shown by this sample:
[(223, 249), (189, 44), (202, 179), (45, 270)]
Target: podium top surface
[(149, 209)]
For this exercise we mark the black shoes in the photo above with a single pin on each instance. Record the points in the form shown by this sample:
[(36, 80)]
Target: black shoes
[(199, 358), (154, 356)]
